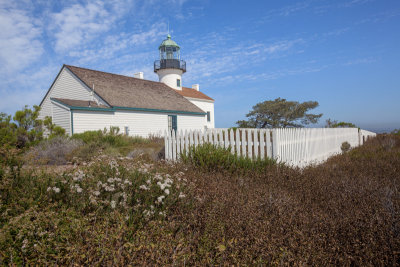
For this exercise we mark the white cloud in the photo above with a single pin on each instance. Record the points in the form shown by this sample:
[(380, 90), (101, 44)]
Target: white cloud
[(356, 2), (79, 24), (20, 43)]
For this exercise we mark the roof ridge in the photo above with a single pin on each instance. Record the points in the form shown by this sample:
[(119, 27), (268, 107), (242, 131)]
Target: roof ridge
[(114, 74)]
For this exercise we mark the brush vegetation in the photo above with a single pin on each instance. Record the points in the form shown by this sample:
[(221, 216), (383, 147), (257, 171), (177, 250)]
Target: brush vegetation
[(211, 209)]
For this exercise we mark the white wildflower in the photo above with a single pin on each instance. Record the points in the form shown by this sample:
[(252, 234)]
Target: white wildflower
[(162, 213), (56, 189), (144, 187), (96, 193), (48, 189), (113, 204), (109, 188), (158, 176), (24, 243), (166, 191), (160, 199), (161, 185), (148, 181), (110, 180), (78, 189), (78, 175), (182, 195)]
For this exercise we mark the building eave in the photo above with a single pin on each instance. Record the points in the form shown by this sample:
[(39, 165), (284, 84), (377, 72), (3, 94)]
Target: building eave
[(199, 99), (116, 108)]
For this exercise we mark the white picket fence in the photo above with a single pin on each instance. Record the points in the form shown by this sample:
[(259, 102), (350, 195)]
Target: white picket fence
[(294, 146)]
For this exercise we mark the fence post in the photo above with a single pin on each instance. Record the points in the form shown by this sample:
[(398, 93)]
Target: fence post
[(262, 144), (269, 144), (226, 140), (237, 142), (255, 143), (249, 144), (173, 145), (166, 145), (231, 141), (191, 144), (178, 144), (274, 144), (244, 143), (169, 145), (186, 140)]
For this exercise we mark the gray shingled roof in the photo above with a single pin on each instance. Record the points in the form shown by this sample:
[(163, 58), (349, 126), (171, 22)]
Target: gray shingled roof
[(123, 91), (79, 103)]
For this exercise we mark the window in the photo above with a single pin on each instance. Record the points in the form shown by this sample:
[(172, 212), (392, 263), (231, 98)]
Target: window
[(178, 82), (172, 123), (208, 116), (126, 130)]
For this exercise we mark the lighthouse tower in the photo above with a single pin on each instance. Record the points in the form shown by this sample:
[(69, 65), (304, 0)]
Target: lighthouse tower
[(170, 67)]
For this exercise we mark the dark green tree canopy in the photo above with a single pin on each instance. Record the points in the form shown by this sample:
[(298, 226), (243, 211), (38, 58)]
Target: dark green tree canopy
[(280, 113)]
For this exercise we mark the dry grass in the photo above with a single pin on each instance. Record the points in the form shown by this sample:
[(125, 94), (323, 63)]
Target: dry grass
[(343, 212)]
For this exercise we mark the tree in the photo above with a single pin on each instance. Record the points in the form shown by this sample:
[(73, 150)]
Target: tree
[(29, 126), (7, 130), (280, 113), (53, 130), (335, 124)]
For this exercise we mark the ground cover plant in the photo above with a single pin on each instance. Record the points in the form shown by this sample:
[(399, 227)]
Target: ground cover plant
[(118, 210)]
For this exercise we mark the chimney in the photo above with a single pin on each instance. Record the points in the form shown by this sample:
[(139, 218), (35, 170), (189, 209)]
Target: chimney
[(138, 75), (196, 87)]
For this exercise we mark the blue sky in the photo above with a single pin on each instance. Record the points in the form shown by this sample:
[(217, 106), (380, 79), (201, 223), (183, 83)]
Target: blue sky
[(344, 54)]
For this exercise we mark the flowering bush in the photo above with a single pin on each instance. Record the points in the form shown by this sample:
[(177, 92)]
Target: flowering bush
[(104, 185)]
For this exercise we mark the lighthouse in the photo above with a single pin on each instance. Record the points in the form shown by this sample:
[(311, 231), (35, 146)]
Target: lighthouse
[(170, 66)]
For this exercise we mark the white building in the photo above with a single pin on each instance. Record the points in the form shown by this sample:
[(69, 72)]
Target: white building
[(82, 99)]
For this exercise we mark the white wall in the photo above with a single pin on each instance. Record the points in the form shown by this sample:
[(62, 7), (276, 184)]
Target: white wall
[(69, 87), (61, 116), (191, 122), (139, 123), (205, 106), (169, 77), (91, 120)]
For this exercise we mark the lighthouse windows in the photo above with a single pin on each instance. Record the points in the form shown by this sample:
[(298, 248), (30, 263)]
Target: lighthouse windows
[(178, 82)]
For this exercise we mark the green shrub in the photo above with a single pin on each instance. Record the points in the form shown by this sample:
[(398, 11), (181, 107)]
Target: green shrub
[(345, 147), (111, 138), (214, 158)]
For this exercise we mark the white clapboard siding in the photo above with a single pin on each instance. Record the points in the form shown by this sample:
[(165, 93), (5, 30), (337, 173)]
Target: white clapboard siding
[(67, 86), (61, 117), (293, 146), (206, 106)]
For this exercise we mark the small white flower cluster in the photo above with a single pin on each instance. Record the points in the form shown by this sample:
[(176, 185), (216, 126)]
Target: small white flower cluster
[(24, 244), (145, 167), (149, 213), (164, 185), (114, 165), (76, 188), (78, 175), (55, 189), (144, 187), (116, 186)]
